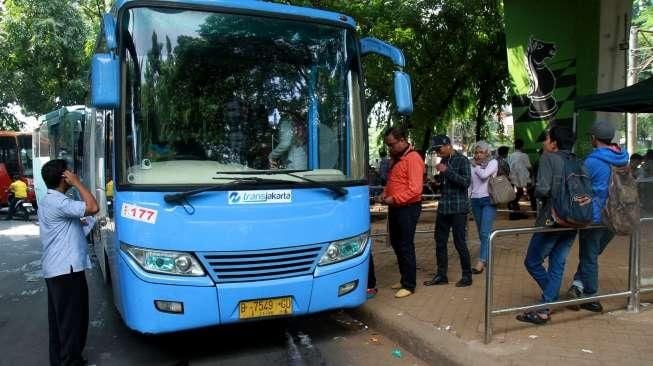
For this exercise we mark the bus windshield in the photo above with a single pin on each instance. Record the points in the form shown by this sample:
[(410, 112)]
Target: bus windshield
[(210, 95)]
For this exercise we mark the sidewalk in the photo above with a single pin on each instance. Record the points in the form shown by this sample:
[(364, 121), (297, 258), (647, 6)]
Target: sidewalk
[(444, 324)]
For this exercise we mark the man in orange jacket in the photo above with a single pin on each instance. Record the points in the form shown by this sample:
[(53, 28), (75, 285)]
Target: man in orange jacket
[(403, 195)]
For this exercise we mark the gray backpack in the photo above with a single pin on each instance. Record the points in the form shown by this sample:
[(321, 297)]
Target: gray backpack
[(621, 211)]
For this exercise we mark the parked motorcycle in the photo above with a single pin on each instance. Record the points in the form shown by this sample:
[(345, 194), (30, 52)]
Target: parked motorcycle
[(21, 207)]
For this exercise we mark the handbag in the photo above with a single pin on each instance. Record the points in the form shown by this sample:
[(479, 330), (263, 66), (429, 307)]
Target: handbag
[(500, 189)]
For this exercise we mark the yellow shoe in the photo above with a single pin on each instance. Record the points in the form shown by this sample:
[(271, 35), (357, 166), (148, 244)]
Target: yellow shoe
[(403, 293), (396, 286)]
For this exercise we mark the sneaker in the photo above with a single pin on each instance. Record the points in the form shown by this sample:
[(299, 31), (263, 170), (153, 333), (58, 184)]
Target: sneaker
[(403, 293), (573, 293), (371, 292), (396, 286), (593, 306), (464, 282)]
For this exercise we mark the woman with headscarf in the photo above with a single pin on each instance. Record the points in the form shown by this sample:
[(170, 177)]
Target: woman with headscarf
[(484, 211)]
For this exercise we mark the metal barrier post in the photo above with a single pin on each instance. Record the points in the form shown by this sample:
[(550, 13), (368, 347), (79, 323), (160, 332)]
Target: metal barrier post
[(633, 273), (387, 227), (488, 290), (632, 293)]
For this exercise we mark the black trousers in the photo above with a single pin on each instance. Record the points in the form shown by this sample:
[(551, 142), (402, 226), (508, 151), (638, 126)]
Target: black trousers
[(403, 222), (11, 208), (371, 277), (67, 318), (458, 224), (514, 204)]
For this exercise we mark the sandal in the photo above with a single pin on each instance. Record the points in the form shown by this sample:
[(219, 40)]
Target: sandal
[(532, 317)]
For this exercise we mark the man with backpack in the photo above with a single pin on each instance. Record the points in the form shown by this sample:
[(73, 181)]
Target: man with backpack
[(551, 184), (592, 242)]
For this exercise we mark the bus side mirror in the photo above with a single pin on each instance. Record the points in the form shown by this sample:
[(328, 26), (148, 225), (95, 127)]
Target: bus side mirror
[(105, 73), (109, 30), (403, 93)]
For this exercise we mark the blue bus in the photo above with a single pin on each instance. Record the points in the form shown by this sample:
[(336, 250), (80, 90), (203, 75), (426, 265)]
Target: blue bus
[(228, 152), (59, 135)]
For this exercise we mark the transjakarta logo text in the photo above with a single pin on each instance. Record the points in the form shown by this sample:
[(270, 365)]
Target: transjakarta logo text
[(254, 197)]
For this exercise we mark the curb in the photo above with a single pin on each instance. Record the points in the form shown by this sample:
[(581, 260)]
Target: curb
[(423, 339)]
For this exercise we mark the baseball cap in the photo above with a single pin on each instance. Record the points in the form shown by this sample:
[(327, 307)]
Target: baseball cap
[(603, 130), (439, 141)]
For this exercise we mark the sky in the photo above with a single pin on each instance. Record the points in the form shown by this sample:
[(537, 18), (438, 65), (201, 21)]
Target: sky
[(31, 122)]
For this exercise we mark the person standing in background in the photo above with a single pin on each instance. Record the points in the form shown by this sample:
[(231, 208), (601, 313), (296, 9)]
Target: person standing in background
[(384, 167), (592, 242), (551, 246), (455, 173), (520, 177), (484, 211), (403, 195)]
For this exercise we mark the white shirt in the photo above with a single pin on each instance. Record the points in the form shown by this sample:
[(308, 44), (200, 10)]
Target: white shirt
[(295, 154), (519, 166), (64, 244), (480, 178)]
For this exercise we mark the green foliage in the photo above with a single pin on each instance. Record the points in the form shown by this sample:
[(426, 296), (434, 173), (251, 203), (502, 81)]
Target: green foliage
[(455, 55), (45, 47), (8, 121)]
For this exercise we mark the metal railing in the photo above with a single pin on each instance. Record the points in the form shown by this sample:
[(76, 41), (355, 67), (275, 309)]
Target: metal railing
[(633, 291)]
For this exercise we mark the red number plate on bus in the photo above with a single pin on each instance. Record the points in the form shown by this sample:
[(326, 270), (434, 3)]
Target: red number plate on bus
[(265, 307)]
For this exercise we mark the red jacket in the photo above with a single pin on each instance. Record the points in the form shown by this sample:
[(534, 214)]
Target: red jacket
[(406, 178)]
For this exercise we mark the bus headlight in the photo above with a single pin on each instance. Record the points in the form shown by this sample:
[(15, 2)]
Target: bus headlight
[(341, 250), (163, 261)]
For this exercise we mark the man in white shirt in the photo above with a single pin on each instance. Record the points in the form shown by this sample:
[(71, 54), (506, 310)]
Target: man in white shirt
[(292, 144), (520, 176), (64, 261)]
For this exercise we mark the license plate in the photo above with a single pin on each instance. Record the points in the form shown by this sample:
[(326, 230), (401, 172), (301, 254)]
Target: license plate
[(265, 307)]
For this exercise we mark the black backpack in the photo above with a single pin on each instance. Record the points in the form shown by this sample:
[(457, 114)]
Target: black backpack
[(573, 206)]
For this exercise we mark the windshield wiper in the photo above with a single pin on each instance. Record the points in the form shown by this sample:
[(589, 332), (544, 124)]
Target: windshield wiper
[(339, 191), (179, 197)]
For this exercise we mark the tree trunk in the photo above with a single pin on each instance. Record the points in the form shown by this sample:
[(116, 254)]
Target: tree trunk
[(480, 119)]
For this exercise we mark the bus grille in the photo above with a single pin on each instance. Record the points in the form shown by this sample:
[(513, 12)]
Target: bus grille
[(259, 265)]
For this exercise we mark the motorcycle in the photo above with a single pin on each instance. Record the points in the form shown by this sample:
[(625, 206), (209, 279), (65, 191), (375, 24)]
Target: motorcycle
[(21, 207)]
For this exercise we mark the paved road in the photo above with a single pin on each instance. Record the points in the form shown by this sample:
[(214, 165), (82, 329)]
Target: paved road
[(325, 339)]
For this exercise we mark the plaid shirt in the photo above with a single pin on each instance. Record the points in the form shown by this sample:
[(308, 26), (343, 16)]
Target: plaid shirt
[(455, 185)]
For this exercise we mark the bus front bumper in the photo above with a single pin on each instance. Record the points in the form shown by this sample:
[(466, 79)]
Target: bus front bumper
[(216, 304)]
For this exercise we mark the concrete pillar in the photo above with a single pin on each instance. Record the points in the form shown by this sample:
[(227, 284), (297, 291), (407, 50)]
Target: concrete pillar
[(631, 118)]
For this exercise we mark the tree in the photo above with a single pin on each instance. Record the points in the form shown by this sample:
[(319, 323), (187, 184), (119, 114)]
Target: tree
[(45, 48), (455, 54)]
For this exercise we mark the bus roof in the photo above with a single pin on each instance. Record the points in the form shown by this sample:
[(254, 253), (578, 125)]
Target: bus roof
[(255, 6), (61, 112)]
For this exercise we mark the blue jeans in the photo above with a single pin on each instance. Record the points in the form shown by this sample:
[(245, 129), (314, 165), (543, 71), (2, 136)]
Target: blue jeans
[(484, 213), (556, 247), (592, 243)]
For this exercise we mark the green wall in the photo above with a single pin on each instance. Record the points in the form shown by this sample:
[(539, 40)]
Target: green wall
[(573, 27)]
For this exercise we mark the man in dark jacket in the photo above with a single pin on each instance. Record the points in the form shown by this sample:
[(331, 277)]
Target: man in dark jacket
[(555, 246), (592, 242), (455, 176)]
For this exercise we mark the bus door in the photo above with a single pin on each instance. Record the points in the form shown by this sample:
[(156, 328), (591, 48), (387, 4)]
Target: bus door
[(101, 153)]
